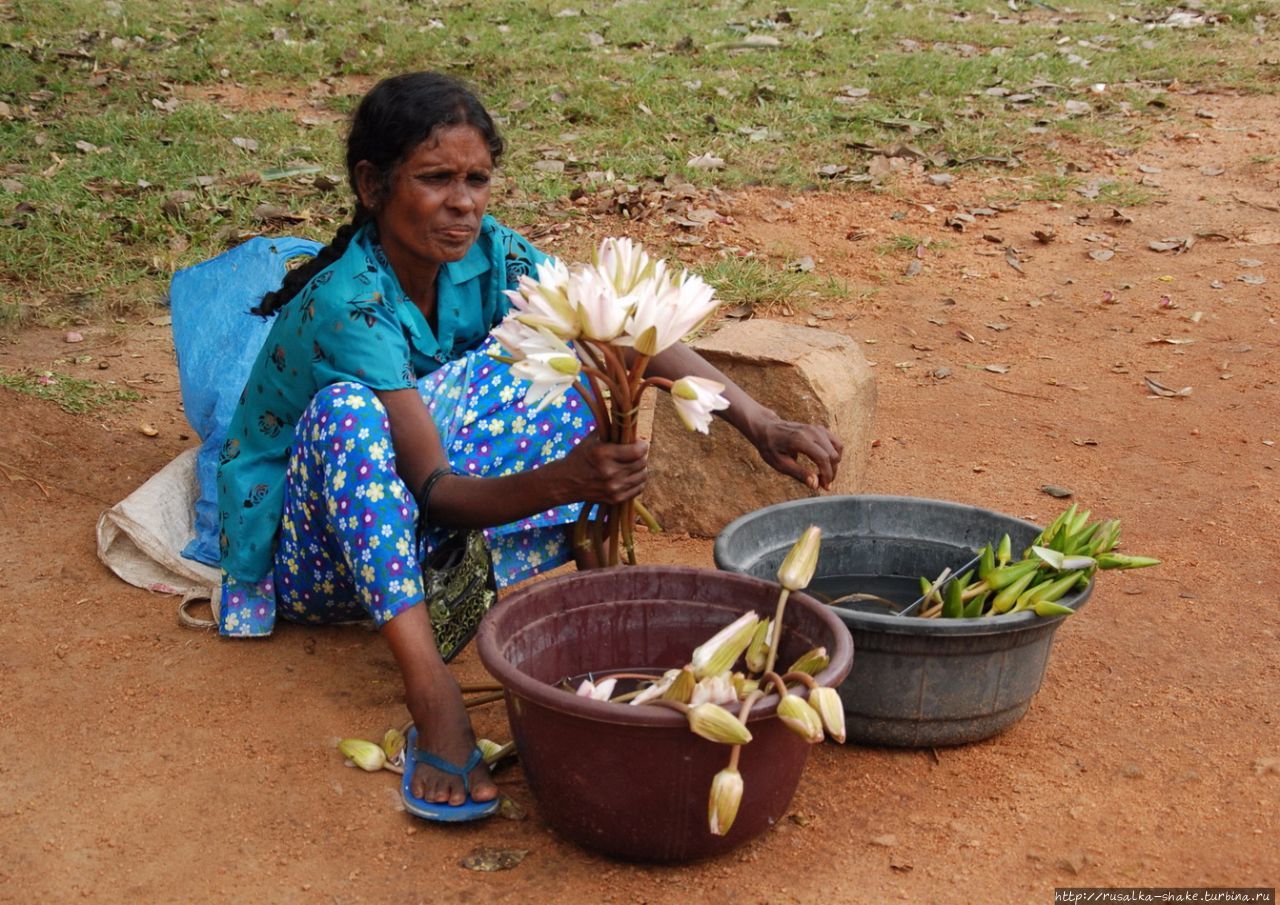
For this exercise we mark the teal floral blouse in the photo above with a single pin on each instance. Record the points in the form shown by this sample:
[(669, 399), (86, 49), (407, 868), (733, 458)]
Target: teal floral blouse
[(352, 322)]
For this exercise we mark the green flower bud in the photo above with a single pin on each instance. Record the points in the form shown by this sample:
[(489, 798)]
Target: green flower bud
[(827, 703), (715, 724), (682, 687), (986, 562), (726, 796), (1120, 561), (365, 755), (723, 649), (797, 569), (393, 744), (758, 650), (489, 749), (811, 662), (743, 685), (1004, 552), (1049, 608), (800, 718)]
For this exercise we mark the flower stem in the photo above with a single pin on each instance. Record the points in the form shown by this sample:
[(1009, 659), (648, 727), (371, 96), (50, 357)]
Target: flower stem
[(677, 706), (592, 400), (661, 383), (777, 630), (626, 525), (778, 682), (646, 516), (803, 678)]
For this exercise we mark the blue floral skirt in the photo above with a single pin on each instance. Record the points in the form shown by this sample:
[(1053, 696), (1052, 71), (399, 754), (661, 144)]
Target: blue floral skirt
[(348, 547)]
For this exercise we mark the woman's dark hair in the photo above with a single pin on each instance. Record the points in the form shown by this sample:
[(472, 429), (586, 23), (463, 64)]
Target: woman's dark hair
[(396, 116)]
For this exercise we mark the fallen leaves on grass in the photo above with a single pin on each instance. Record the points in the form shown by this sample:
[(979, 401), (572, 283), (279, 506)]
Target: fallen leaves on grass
[(706, 161)]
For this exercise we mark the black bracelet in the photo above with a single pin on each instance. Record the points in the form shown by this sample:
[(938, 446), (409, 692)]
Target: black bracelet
[(424, 493)]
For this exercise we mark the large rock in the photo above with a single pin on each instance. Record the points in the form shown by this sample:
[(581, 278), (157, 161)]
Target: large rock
[(699, 483)]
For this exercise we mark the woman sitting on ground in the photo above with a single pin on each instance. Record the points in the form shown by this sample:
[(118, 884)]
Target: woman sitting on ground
[(374, 377)]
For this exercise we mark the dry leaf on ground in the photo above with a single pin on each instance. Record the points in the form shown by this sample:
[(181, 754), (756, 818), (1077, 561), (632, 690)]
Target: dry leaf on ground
[(1159, 389)]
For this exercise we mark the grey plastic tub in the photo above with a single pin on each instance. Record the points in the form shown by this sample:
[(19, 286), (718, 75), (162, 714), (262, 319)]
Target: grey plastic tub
[(915, 682)]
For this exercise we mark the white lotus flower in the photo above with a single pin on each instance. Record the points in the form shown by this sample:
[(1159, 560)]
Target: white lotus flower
[(511, 334), (667, 310), (657, 689), (625, 265), (548, 363), (695, 399), (600, 691), (601, 311), (717, 689), (545, 302)]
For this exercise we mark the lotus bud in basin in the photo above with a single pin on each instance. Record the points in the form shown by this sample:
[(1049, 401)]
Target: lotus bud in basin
[(744, 685), (811, 662), (681, 687), (1049, 608), (718, 654), (801, 561), (827, 703), (757, 654), (364, 754), (800, 718), (1121, 561), (726, 796), (715, 724)]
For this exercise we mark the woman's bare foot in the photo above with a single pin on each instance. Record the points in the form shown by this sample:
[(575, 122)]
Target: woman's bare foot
[(445, 731)]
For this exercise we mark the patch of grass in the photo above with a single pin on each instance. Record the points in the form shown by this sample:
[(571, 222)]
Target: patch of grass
[(1123, 194), (117, 110), (71, 394), (1048, 187), (908, 242), (756, 285), (901, 242)]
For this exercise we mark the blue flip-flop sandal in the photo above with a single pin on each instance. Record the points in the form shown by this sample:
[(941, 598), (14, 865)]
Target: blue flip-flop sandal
[(442, 810)]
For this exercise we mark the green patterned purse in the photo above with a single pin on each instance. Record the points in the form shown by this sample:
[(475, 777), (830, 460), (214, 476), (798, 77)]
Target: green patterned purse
[(458, 579)]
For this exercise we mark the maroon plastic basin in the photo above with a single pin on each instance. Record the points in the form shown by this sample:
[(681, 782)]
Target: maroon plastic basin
[(633, 781)]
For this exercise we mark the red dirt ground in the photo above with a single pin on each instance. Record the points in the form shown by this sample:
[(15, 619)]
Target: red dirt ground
[(148, 762)]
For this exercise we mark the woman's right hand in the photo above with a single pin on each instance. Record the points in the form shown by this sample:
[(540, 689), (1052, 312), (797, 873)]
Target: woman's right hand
[(596, 471)]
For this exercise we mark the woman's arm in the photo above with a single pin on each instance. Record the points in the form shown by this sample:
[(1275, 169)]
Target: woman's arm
[(778, 441), (593, 472)]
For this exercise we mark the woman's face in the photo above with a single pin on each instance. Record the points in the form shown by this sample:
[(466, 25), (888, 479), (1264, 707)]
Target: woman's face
[(431, 211)]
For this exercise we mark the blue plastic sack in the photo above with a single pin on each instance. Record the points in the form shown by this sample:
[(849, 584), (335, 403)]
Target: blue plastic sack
[(217, 340)]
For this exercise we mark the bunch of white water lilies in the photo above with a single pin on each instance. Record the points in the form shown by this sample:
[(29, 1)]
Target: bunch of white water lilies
[(701, 689), (594, 328)]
